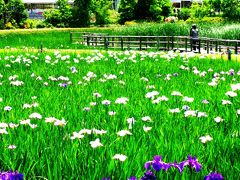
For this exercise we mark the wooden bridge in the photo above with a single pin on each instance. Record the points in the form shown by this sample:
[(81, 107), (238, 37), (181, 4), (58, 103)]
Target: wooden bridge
[(167, 43)]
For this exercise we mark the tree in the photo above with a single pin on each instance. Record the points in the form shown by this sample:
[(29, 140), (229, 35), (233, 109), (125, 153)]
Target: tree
[(53, 17), (160, 8), (2, 4), (65, 12), (231, 9), (142, 10), (216, 4), (2, 7), (3, 11), (17, 11), (153, 9), (59, 17), (167, 8), (100, 9), (81, 12), (126, 10)]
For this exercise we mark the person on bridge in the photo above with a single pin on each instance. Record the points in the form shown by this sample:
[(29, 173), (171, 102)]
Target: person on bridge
[(194, 37)]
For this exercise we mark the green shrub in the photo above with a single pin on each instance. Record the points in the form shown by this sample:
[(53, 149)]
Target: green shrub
[(1, 24), (60, 25), (184, 13), (17, 13), (126, 10), (212, 19), (32, 23), (52, 16), (42, 24), (113, 16), (192, 20), (130, 23), (9, 25)]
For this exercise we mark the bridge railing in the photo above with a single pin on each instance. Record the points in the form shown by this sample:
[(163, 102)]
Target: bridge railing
[(181, 43)]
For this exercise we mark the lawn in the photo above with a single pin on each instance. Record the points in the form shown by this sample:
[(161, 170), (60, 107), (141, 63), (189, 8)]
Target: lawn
[(95, 114), (60, 38)]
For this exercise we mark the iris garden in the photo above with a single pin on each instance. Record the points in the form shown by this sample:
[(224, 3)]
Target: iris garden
[(119, 115)]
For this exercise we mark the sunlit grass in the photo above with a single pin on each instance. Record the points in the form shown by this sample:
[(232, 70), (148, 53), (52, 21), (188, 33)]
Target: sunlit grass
[(60, 38), (61, 85)]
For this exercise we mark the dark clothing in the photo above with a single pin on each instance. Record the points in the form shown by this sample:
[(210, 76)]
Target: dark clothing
[(194, 33), (194, 38)]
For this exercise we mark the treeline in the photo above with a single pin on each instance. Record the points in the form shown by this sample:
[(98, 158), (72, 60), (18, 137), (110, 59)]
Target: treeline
[(83, 13)]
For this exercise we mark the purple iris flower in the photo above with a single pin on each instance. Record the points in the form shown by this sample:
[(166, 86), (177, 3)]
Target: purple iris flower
[(186, 107), (132, 178), (157, 163), (108, 178), (73, 68), (213, 176), (147, 165), (166, 166), (148, 176), (177, 166), (192, 162), (175, 74), (63, 85), (10, 175), (231, 73)]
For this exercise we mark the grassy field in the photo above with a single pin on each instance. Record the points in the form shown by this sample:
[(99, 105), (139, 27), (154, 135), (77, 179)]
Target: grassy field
[(60, 38), (49, 99)]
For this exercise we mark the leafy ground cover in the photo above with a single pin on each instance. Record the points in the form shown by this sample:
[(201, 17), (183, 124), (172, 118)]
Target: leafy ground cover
[(105, 114)]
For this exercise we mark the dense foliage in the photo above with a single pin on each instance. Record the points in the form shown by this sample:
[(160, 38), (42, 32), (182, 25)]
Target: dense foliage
[(84, 13), (12, 14), (126, 10), (59, 17), (100, 9)]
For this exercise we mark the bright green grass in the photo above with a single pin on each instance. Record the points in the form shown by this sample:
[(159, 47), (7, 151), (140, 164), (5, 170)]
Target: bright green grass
[(48, 152), (60, 38)]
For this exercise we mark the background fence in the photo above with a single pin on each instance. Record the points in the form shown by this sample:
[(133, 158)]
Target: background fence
[(181, 43)]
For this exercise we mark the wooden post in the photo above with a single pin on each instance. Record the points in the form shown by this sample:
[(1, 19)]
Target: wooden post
[(105, 43), (146, 41), (229, 54), (216, 49), (140, 43), (172, 42), (41, 48), (168, 43), (121, 43), (236, 47), (158, 43), (186, 41), (208, 46), (199, 45), (88, 38)]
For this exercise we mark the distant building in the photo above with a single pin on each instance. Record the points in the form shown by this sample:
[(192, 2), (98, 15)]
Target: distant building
[(36, 8)]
